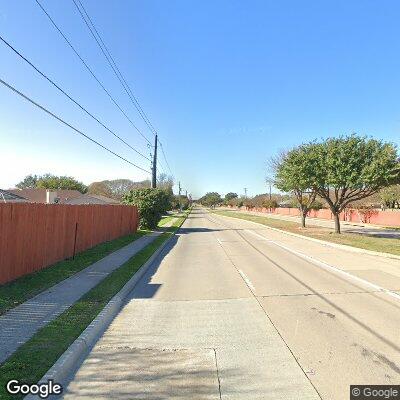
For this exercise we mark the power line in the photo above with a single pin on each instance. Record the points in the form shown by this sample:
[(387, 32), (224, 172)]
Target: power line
[(141, 111), (165, 158), (67, 124), (90, 70), (164, 170), (112, 63), (107, 54), (69, 97)]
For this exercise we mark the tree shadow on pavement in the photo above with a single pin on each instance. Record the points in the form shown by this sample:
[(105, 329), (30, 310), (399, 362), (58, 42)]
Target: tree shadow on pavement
[(151, 374)]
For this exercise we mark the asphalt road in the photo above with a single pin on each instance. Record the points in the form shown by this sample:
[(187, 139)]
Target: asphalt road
[(233, 310)]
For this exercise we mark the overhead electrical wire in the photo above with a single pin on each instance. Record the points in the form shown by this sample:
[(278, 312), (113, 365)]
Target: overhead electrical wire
[(107, 54), (163, 169), (16, 91), (90, 70), (69, 97), (97, 37), (165, 158)]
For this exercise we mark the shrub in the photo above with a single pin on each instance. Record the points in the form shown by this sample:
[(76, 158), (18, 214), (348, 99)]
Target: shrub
[(151, 204)]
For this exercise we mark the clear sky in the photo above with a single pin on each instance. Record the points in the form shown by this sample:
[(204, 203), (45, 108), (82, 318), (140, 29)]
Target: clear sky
[(227, 84)]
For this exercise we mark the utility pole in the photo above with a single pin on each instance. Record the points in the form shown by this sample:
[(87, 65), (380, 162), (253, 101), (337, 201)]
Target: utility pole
[(179, 196), (154, 169)]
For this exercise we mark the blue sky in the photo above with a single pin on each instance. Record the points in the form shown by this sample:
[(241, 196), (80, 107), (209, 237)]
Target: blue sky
[(227, 84)]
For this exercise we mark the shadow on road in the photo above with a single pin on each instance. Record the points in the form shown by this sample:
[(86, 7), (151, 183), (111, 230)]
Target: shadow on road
[(134, 373)]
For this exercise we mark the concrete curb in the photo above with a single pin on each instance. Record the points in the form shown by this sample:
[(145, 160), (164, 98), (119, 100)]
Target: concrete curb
[(81, 347), (323, 242)]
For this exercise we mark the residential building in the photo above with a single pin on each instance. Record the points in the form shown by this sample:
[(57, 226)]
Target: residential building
[(46, 196), (8, 197)]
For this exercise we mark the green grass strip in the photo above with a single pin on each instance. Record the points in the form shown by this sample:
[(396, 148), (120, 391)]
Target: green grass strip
[(165, 220), (34, 358), (384, 245), (22, 289)]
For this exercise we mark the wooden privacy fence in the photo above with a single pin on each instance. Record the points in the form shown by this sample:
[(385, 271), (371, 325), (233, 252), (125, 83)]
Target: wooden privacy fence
[(34, 236), (377, 217)]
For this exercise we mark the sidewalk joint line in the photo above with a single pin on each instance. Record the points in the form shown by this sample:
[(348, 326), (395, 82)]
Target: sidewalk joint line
[(216, 366)]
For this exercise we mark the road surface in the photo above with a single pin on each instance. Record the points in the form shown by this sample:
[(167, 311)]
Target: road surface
[(233, 310)]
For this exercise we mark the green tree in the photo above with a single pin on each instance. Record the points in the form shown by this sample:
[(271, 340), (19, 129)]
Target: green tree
[(54, 182), (390, 196), (166, 183), (151, 204), (350, 168), (49, 181), (230, 196), (293, 174), (211, 199), (29, 182), (181, 201)]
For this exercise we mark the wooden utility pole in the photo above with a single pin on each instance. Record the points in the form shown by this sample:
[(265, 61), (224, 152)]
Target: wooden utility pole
[(154, 169)]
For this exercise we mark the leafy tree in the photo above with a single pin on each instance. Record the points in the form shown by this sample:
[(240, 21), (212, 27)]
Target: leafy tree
[(390, 196), (166, 183), (230, 196), (293, 173), (100, 188), (151, 204), (49, 181), (211, 199), (29, 182), (181, 201), (350, 168), (117, 188)]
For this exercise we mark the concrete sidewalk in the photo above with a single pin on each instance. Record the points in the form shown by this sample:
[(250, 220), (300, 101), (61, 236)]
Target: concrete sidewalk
[(350, 227), (19, 324)]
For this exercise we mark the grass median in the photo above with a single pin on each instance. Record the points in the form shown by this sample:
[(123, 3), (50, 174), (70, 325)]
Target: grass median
[(34, 358), (22, 289), (384, 245)]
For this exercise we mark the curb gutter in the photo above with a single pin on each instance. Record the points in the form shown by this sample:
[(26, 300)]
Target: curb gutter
[(80, 348)]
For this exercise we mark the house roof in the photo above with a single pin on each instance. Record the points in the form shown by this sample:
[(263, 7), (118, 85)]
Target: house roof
[(92, 199), (6, 196), (39, 195)]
